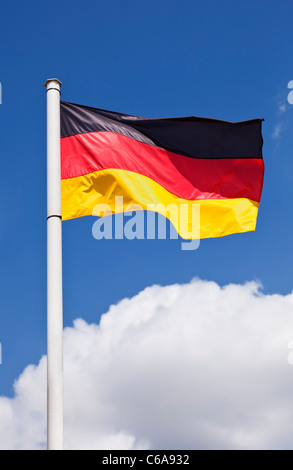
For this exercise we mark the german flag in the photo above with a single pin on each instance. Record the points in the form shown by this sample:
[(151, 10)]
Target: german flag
[(189, 160)]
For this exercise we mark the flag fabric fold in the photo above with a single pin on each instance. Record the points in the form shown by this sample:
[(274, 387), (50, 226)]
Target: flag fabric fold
[(215, 164)]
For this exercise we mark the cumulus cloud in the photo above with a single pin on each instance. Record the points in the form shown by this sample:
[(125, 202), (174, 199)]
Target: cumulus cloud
[(194, 366)]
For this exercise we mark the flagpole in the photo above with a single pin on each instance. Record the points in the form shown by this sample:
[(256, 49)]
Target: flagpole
[(54, 271)]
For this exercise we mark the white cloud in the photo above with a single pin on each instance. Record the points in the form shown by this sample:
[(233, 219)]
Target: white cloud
[(278, 129), (281, 124), (192, 366)]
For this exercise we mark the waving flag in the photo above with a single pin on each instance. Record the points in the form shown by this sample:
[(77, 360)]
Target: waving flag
[(190, 160)]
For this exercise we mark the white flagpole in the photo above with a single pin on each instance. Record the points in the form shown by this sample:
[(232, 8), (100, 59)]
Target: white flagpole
[(54, 271)]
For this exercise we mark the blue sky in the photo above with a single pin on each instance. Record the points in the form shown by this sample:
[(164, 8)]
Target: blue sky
[(221, 59)]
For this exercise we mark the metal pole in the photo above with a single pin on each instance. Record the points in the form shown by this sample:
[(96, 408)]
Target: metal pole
[(54, 271)]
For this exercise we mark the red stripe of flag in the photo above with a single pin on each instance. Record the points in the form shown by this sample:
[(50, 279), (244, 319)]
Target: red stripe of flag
[(187, 178)]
